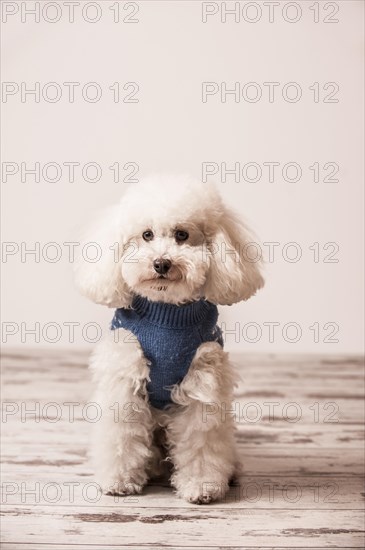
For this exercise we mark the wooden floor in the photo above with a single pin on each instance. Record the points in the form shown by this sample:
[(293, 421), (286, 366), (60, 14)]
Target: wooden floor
[(303, 456)]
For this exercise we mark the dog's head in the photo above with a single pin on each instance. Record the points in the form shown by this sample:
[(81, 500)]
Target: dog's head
[(171, 239)]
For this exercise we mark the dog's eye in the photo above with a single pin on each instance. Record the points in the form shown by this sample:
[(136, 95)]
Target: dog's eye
[(181, 235), (147, 235)]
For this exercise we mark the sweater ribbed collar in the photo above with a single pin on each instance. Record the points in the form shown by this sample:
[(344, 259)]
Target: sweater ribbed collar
[(171, 315)]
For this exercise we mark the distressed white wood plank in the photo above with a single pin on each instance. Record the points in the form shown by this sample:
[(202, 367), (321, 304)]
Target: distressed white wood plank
[(341, 436), (256, 461), (55, 546), (248, 407), (293, 492), (187, 528)]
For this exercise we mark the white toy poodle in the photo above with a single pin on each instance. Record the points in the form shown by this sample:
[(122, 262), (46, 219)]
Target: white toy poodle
[(171, 251)]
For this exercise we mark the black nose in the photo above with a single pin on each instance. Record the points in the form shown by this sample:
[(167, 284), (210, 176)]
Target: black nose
[(161, 266)]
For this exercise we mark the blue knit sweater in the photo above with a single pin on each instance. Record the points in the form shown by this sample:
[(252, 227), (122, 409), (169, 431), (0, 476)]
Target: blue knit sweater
[(169, 336)]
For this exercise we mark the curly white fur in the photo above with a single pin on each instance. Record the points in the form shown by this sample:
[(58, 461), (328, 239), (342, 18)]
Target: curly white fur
[(212, 263)]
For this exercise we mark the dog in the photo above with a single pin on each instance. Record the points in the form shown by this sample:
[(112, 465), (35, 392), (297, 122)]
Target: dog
[(170, 252)]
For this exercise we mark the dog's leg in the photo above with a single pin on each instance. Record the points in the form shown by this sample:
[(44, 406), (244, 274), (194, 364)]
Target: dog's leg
[(201, 433), (123, 434)]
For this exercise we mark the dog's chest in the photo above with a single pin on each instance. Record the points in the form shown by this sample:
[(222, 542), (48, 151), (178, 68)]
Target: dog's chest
[(169, 337), (170, 353)]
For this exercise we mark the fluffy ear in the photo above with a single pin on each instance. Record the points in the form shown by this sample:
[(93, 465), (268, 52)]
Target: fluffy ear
[(234, 273), (98, 272)]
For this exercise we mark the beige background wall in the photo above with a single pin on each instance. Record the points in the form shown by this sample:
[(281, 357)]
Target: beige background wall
[(167, 55)]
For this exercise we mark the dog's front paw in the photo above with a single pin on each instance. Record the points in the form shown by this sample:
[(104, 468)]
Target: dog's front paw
[(121, 488), (202, 492)]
